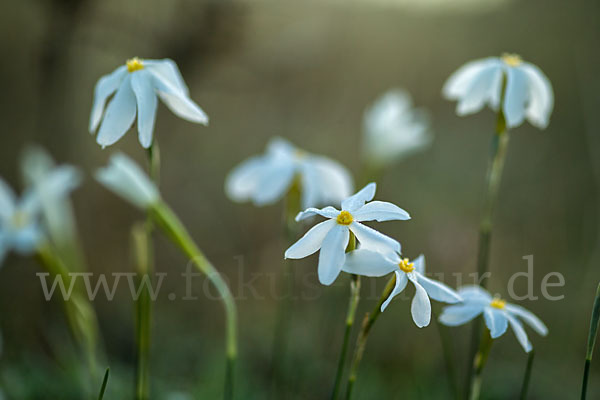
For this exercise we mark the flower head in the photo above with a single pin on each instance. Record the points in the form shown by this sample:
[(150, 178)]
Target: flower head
[(266, 178), (125, 178), (137, 85), (372, 263), (393, 129), (523, 89), (498, 314), (332, 236)]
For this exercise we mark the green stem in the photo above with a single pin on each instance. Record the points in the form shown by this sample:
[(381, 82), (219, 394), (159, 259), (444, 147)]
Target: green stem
[(594, 320), (174, 230), (527, 376), (485, 344), (352, 305), (104, 383), (361, 341)]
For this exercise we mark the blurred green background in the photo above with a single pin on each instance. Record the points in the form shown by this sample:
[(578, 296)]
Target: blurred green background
[(306, 71)]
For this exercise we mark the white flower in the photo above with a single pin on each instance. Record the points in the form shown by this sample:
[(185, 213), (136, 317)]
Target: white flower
[(528, 92), (266, 178), (372, 263), (125, 178), (393, 129), (136, 85), (332, 236), (498, 314)]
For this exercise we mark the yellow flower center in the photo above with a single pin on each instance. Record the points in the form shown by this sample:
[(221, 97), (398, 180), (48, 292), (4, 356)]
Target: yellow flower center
[(19, 219), (406, 266), (134, 64), (498, 303), (511, 59), (345, 218)]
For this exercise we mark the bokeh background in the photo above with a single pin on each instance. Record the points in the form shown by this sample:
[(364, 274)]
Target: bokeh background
[(306, 71)]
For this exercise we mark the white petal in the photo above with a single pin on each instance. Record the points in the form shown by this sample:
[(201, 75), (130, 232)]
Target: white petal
[(485, 88), (474, 294), (274, 182), (380, 211), (519, 333), (541, 96), (324, 181), (460, 314), (119, 116), (530, 319), (333, 253), (496, 321), (368, 263), (460, 81), (168, 71), (7, 201), (401, 281), (420, 306), (327, 212), (141, 83), (374, 240), (59, 182), (178, 102), (280, 147), (106, 86), (516, 97), (25, 240), (419, 264), (359, 199), (241, 183), (311, 241), (438, 291)]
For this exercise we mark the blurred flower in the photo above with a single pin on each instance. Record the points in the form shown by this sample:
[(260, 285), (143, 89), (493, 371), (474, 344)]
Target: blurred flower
[(267, 178), (498, 314), (527, 91), (125, 178), (332, 236), (371, 263), (393, 129), (137, 83)]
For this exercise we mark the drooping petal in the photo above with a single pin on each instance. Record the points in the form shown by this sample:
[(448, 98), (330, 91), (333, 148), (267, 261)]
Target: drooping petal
[(178, 102), (7, 201), (359, 199), (516, 97), (420, 307), (106, 86), (332, 255), (241, 183), (485, 88), (496, 321), (119, 116), (541, 96), (311, 241), (274, 182), (474, 294), (438, 291), (519, 333), (141, 83), (460, 314), (280, 147), (327, 212), (167, 70), (368, 263), (530, 318), (460, 81), (401, 281), (374, 240), (380, 211), (324, 181)]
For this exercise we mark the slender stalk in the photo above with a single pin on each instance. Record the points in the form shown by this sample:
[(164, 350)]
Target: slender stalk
[(352, 305), (594, 320), (361, 341), (104, 383), (485, 344), (527, 376), (174, 230)]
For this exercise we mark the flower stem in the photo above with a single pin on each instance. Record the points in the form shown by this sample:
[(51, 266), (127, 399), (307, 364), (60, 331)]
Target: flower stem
[(352, 305), (485, 344), (367, 324), (591, 342), (104, 383), (527, 376), (174, 230)]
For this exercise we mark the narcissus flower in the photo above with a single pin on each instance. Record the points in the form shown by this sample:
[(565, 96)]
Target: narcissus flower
[(267, 178), (372, 263), (498, 314), (332, 236), (125, 178), (137, 85), (522, 88), (394, 129)]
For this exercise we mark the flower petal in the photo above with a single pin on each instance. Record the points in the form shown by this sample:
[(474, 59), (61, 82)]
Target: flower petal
[(7, 201), (274, 182), (401, 281), (380, 211), (119, 116), (541, 96), (485, 88), (474, 294), (438, 291), (374, 240), (368, 263), (327, 212), (459, 82), (25, 240), (106, 86), (141, 83), (496, 321), (324, 181), (516, 97), (168, 71), (420, 306), (460, 314), (311, 241), (530, 318), (419, 264), (519, 333), (332, 255), (178, 102), (241, 183), (359, 199)]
